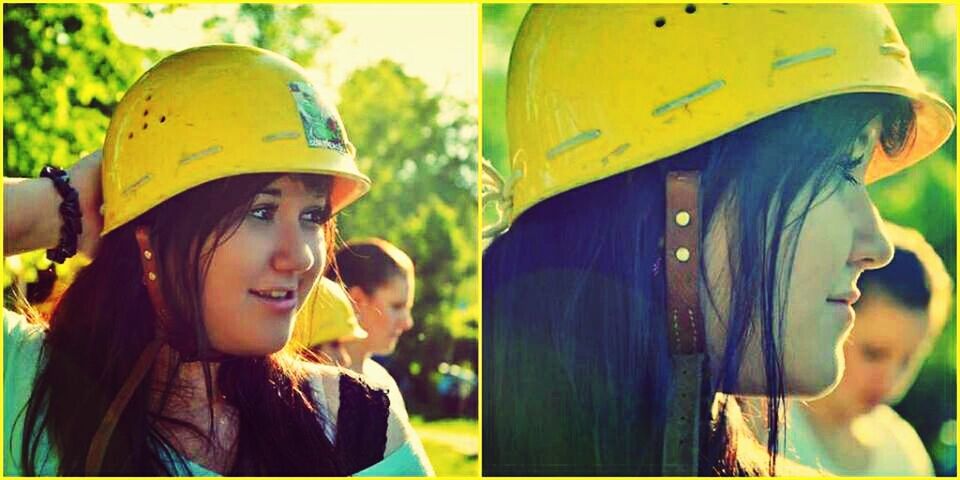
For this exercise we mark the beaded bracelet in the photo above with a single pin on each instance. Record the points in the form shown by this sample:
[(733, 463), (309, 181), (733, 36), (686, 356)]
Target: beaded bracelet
[(69, 211)]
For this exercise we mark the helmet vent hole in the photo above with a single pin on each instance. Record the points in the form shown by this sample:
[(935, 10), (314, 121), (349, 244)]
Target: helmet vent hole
[(144, 126), (130, 136), (145, 112), (149, 97), (660, 22), (163, 118), (691, 8)]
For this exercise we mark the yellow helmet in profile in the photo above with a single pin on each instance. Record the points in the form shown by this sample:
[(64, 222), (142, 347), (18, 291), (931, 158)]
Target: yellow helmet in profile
[(327, 315), (596, 90), (217, 111)]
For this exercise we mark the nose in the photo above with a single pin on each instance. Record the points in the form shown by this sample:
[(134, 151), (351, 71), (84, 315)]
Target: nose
[(884, 381), (295, 251), (407, 321), (871, 247)]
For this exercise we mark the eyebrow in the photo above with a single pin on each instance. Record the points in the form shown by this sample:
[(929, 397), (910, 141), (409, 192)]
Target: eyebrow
[(276, 192)]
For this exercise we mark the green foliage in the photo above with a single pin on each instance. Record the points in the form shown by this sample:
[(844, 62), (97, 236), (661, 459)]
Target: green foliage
[(419, 149), (64, 71), (295, 31), (500, 24), (451, 445)]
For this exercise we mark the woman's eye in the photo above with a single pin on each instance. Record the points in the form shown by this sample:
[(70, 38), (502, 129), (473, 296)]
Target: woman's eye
[(317, 217), (848, 170), (873, 354), (263, 212)]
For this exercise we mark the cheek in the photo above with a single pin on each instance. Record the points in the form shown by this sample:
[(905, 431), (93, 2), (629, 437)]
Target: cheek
[(822, 248), (234, 268)]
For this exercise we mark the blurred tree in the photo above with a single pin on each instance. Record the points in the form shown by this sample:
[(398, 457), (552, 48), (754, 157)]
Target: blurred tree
[(420, 150), (295, 31), (64, 71)]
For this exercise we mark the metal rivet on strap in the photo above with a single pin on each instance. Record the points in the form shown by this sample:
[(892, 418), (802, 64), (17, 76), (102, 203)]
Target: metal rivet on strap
[(147, 254), (682, 218), (152, 276), (682, 254)]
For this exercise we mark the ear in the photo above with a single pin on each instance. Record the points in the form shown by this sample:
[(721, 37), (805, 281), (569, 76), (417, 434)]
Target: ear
[(358, 295)]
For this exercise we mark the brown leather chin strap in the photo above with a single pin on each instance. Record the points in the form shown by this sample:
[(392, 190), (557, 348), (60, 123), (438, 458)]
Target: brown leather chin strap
[(151, 279), (685, 325)]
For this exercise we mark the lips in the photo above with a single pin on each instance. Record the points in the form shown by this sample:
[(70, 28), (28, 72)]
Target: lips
[(849, 297), (273, 293), (280, 300)]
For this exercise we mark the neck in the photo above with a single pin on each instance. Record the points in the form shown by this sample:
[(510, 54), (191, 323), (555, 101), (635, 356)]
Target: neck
[(202, 424), (187, 389), (359, 353), (826, 416)]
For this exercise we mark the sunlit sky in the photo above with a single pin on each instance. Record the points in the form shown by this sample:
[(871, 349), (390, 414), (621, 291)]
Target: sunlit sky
[(437, 43)]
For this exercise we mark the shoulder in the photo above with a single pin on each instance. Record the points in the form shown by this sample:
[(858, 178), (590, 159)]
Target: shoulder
[(893, 427), (901, 440), (339, 391), (22, 340), (22, 348), (17, 327), (380, 377), (377, 374)]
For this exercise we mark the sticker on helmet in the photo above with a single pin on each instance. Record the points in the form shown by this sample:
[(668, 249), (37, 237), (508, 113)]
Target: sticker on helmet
[(321, 127)]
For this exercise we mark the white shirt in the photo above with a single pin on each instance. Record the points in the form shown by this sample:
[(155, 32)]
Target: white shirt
[(895, 449)]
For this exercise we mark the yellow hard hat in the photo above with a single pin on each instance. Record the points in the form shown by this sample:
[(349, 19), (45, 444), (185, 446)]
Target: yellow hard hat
[(216, 111), (596, 90), (327, 315)]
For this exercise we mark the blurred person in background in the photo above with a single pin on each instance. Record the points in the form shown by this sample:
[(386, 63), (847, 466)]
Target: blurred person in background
[(853, 430), (326, 322), (380, 280)]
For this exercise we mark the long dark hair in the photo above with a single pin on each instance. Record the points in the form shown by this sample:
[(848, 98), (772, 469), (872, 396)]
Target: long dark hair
[(576, 365), (105, 319)]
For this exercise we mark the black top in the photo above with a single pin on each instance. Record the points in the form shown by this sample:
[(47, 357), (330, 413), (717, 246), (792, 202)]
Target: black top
[(361, 424)]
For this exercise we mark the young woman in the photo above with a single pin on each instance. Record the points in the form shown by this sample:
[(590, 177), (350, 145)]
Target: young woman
[(380, 280), (687, 218), (852, 431), (221, 176), (327, 322)]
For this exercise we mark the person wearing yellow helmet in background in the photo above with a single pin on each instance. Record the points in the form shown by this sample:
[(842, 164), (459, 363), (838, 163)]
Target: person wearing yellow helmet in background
[(221, 176), (326, 322), (684, 218)]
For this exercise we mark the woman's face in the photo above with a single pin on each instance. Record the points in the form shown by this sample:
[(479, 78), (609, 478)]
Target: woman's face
[(260, 274), (385, 314), (878, 355), (839, 239)]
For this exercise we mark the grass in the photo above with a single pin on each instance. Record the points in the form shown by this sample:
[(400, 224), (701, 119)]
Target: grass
[(451, 445)]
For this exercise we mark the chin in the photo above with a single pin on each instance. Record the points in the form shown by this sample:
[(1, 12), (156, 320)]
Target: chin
[(248, 347), (816, 384)]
